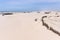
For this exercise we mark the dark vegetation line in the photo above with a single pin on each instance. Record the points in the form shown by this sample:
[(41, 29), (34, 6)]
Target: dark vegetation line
[(44, 24), (55, 31), (7, 14), (47, 26), (47, 12)]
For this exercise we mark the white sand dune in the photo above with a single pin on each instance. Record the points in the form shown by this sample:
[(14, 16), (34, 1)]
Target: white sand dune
[(22, 26)]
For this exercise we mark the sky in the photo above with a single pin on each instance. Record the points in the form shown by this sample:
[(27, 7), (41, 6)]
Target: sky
[(29, 5)]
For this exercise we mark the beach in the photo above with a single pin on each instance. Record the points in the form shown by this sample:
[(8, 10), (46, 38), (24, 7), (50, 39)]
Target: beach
[(23, 26)]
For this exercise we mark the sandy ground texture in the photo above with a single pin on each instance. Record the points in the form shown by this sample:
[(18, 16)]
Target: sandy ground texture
[(29, 26)]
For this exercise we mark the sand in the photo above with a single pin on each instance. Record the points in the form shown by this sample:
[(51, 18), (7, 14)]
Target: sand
[(22, 26)]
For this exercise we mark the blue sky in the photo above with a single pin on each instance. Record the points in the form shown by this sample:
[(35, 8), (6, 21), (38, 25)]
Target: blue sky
[(29, 5)]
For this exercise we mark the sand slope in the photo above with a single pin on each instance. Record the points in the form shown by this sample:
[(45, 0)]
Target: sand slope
[(24, 27)]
